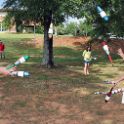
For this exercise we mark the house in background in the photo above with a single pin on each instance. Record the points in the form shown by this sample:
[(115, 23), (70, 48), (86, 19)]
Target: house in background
[(28, 25), (3, 14)]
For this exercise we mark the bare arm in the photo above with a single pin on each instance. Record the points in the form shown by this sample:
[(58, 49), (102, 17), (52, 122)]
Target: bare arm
[(119, 80), (4, 71)]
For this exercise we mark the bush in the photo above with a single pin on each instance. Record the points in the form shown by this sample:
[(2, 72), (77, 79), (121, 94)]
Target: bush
[(61, 30), (75, 29), (39, 30), (71, 28)]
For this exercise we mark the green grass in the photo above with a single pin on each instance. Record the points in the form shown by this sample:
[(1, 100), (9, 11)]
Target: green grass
[(59, 94), (17, 36)]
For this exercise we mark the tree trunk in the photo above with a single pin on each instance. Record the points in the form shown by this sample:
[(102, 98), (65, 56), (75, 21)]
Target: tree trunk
[(48, 43)]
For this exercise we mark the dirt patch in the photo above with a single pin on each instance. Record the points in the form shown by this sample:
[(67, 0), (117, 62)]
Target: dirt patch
[(59, 41), (62, 41)]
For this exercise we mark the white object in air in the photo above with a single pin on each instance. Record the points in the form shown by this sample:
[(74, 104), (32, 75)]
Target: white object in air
[(106, 49), (107, 98), (122, 98), (51, 29)]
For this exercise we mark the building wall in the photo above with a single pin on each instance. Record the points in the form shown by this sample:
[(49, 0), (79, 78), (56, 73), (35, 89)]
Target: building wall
[(29, 25), (3, 14)]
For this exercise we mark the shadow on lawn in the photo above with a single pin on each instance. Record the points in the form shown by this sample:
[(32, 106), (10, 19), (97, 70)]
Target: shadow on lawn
[(52, 96)]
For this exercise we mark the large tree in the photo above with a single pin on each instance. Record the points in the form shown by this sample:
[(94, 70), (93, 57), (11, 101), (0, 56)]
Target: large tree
[(45, 11)]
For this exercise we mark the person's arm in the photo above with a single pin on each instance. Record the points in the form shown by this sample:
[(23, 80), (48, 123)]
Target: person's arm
[(119, 80), (91, 57), (5, 71), (84, 53)]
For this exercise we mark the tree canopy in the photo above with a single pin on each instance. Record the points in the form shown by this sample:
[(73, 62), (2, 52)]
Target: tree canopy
[(37, 9), (114, 10), (48, 11)]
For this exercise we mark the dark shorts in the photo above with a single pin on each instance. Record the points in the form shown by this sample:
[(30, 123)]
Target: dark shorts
[(86, 62)]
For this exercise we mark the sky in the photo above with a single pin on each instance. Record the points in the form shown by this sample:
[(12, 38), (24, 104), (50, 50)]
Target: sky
[(1, 1), (74, 19)]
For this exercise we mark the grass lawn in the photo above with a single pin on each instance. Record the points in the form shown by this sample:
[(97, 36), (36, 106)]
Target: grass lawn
[(62, 95)]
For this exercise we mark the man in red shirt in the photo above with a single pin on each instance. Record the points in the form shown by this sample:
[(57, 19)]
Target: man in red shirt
[(2, 47)]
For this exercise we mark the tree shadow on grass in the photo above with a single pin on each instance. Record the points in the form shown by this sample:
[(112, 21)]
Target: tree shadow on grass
[(45, 89)]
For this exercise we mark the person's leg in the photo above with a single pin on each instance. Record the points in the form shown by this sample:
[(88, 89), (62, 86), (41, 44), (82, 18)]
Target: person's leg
[(3, 54), (85, 68), (88, 69)]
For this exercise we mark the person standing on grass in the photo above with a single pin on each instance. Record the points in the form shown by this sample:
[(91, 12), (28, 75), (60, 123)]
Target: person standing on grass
[(2, 48), (87, 59)]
